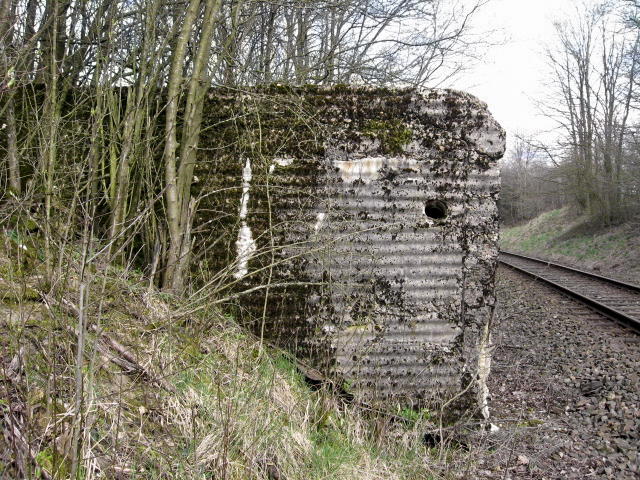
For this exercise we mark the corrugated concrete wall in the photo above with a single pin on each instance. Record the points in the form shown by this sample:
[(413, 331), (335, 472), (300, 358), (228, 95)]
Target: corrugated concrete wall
[(379, 244)]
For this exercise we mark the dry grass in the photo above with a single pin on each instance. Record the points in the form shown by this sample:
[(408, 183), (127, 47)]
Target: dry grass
[(155, 397)]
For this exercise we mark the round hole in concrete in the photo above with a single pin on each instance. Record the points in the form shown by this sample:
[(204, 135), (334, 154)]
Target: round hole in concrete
[(435, 209)]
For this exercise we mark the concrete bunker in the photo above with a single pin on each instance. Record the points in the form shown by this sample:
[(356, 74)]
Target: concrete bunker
[(368, 232)]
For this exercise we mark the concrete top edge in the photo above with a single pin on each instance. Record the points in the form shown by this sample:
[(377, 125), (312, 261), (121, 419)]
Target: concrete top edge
[(463, 114)]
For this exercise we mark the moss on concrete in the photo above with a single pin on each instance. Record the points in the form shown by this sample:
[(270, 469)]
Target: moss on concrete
[(393, 134)]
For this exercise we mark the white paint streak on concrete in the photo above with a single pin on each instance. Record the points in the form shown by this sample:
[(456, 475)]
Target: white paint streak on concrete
[(283, 161), (368, 169), (365, 169), (484, 367), (245, 244), (320, 220), (246, 183)]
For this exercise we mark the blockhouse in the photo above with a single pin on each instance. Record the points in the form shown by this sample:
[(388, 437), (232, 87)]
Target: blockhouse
[(362, 225)]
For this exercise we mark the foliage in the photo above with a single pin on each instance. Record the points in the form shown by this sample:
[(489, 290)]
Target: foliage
[(413, 416)]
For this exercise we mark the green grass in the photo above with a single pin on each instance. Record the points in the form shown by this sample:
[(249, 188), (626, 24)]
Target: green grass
[(572, 239), (537, 234)]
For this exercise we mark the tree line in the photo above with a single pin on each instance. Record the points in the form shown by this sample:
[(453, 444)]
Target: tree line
[(101, 101), (594, 88)]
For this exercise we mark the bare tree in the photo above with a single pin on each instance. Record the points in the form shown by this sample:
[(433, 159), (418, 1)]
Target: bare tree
[(531, 182), (408, 42), (594, 65), (130, 78), (7, 21)]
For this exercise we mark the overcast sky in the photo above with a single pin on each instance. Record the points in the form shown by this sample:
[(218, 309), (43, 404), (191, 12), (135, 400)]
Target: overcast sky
[(511, 76)]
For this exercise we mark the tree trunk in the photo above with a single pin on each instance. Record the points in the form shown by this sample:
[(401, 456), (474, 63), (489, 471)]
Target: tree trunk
[(8, 60), (49, 140), (12, 149), (173, 275)]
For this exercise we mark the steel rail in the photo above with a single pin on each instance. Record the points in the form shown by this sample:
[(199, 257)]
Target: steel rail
[(603, 309), (612, 281)]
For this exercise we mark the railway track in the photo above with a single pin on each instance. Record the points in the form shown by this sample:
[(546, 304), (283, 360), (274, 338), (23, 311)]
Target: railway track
[(617, 300)]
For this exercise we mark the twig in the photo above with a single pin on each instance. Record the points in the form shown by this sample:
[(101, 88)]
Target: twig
[(125, 360), (126, 354), (12, 431), (121, 362)]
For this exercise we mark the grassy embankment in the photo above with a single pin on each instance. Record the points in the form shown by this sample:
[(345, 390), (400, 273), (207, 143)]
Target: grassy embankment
[(160, 394), (563, 236)]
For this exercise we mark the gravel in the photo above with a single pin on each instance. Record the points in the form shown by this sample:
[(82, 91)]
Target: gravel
[(565, 390)]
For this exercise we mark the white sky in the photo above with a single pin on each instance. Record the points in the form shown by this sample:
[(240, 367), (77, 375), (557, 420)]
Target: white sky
[(511, 76)]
